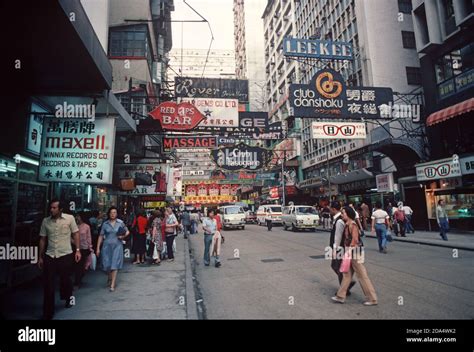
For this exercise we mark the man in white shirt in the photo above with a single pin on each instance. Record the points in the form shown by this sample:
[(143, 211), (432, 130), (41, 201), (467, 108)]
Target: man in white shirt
[(380, 222), (408, 214)]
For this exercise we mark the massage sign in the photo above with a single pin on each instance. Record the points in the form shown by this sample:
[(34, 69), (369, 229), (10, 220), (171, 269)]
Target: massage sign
[(241, 157), (177, 117), (328, 97)]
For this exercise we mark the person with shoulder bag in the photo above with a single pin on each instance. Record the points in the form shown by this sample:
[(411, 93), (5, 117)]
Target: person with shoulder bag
[(171, 224), (353, 262)]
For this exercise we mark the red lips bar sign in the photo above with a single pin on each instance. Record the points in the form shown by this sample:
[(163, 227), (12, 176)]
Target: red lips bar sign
[(177, 117)]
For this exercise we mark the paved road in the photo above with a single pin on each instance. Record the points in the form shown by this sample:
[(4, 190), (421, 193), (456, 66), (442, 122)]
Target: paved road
[(412, 281)]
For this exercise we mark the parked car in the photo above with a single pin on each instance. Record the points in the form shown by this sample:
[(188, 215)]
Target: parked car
[(250, 217), (262, 213), (233, 216), (298, 217)]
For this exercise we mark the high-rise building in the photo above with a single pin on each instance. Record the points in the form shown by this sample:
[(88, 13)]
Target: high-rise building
[(249, 49), (446, 54), (382, 37)]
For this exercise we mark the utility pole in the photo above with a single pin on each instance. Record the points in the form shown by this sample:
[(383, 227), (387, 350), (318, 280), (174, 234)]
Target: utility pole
[(327, 167), (283, 178)]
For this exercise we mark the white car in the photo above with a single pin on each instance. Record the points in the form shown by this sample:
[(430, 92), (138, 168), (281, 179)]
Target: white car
[(298, 217), (276, 212), (232, 216)]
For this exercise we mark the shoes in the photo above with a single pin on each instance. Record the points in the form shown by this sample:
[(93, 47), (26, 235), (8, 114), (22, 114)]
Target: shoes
[(384, 250), (337, 300), (206, 264), (112, 289), (170, 260), (218, 264), (135, 263), (368, 303)]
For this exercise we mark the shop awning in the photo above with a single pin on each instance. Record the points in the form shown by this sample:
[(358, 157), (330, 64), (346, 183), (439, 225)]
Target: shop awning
[(452, 111)]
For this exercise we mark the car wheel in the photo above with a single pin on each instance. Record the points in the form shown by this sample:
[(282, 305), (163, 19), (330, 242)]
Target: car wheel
[(293, 228), (243, 227)]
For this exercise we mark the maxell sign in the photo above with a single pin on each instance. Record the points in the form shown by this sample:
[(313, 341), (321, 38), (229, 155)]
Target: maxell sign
[(338, 130), (77, 151)]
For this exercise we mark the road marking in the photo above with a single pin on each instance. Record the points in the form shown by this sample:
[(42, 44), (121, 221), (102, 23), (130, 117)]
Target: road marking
[(272, 260)]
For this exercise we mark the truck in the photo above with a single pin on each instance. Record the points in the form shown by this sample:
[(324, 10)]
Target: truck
[(232, 216), (300, 217)]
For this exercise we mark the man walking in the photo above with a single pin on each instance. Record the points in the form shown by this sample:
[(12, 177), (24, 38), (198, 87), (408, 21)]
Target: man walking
[(365, 215), (55, 232), (186, 222), (209, 225), (268, 219), (336, 242), (408, 214), (399, 220)]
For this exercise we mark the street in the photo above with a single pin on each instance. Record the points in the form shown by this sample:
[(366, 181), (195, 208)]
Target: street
[(412, 281)]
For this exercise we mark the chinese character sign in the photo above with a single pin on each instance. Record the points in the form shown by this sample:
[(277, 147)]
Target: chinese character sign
[(328, 97), (77, 151), (217, 112), (338, 130)]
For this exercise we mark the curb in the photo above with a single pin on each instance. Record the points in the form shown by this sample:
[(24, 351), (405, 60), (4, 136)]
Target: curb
[(420, 241), (191, 308)]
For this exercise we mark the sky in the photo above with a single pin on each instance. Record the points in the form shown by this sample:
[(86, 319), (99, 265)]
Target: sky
[(197, 35)]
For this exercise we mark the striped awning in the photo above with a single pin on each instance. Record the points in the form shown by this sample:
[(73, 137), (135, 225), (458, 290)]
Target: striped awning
[(452, 111)]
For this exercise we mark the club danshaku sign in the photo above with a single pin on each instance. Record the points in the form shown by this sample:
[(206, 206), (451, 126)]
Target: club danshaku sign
[(177, 117), (186, 142), (77, 151), (241, 157), (338, 130), (328, 97), (319, 49)]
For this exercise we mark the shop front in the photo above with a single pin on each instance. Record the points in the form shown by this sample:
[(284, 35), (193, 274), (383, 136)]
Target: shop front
[(451, 180)]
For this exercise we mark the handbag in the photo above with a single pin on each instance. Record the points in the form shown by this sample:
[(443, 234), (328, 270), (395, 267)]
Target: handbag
[(389, 236), (127, 184), (143, 179), (93, 261), (346, 262)]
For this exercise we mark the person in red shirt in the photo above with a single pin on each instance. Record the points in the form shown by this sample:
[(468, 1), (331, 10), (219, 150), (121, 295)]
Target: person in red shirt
[(219, 223), (139, 237)]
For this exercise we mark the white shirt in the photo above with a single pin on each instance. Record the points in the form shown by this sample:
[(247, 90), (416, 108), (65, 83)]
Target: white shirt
[(380, 216), (339, 230), (407, 210)]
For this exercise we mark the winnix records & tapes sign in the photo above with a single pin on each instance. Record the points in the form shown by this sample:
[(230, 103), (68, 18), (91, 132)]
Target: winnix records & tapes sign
[(241, 157), (338, 130), (328, 97), (77, 151)]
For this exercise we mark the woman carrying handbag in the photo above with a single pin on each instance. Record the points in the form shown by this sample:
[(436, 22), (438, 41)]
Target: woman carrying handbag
[(353, 261)]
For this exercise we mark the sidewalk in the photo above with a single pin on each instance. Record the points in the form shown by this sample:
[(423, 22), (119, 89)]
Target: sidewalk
[(431, 238), (142, 292)]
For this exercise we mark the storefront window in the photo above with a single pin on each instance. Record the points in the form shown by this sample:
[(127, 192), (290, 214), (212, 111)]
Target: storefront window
[(455, 71), (458, 206)]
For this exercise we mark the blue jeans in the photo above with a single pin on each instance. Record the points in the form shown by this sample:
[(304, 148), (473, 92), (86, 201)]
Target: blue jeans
[(207, 248), (443, 228), (408, 225), (381, 231)]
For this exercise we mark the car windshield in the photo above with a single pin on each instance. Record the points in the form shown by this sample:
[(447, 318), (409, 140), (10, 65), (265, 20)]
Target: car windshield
[(234, 210), (275, 209), (305, 210)]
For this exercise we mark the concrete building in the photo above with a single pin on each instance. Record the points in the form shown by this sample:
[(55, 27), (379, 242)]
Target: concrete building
[(249, 49), (381, 33), (443, 31), (139, 41)]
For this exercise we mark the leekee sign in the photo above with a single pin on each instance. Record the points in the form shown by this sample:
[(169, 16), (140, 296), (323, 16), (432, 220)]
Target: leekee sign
[(319, 49)]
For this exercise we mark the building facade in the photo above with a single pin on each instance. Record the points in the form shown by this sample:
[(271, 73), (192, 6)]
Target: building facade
[(446, 54), (249, 49)]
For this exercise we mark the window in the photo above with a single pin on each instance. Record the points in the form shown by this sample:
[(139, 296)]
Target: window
[(404, 6), (408, 39), (129, 41), (449, 20), (413, 75)]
